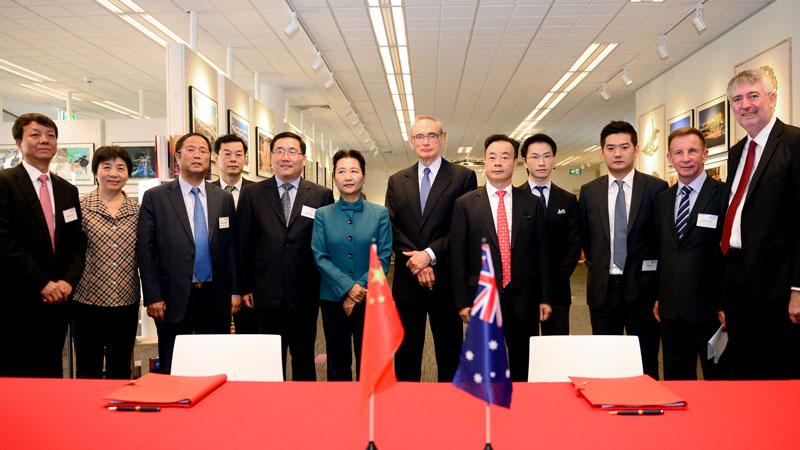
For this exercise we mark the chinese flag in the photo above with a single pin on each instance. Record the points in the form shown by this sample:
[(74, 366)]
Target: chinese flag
[(383, 332)]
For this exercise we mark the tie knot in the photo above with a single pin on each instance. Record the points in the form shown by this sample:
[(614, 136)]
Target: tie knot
[(686, 190), (43, 178), (427, 171), (501, 193), (230, 188), (619, 183), (195, 191), (752, 146), (540, 189), (287, 186)]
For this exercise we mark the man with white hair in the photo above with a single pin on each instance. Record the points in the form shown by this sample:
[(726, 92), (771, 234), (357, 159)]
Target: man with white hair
[(761, 235)]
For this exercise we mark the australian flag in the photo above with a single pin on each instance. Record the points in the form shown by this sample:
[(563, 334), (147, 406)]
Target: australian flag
[(483, 364)]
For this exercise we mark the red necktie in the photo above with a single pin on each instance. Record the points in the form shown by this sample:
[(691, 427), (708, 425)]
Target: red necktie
[(737, 197), (503, 238), (47, 209)]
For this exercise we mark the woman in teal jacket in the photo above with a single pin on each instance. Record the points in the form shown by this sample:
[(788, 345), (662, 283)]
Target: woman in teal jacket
[(342, 236)]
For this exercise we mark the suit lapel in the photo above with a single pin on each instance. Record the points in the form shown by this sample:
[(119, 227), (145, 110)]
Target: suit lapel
[(273, 199), (213, 204), (176, 196), (442, 181), (636, 198), (61, 203), (303, 194), (601, 198), (411, 187), (485, 210), (734, 155), (766, 155), (703, 197), (516, 214), (25, 186), (669, 213)]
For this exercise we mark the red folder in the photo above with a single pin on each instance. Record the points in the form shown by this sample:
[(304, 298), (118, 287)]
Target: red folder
[(165, 390), (640, 392)]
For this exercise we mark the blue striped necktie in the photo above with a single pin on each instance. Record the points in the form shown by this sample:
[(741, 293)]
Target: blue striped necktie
[(682, 218)]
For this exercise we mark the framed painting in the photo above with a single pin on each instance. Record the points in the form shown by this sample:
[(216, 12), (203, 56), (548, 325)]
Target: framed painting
[(144, 157), (717, 167), (652, 142), (10, 156), (680, 121), (712, 121), (202, 115), (72, 162), (239, 126), (776, 60), (263, 162)]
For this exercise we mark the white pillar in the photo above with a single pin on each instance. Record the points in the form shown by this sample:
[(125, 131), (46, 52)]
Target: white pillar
[(193, 19), (141, 103), (271, 96), (69, 105)]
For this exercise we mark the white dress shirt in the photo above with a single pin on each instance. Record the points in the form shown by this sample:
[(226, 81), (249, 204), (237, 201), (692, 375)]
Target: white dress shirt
[(494, 201), (34, 173), (612, 201), (761, 142), (547, 188), (292, 192), (188, 200), (237, 189)]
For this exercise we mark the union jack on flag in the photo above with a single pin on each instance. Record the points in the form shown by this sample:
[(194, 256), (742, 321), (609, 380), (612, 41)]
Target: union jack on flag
[(483, 363)]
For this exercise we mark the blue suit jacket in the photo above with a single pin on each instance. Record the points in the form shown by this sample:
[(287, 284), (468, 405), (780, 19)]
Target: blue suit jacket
[(343, 232)]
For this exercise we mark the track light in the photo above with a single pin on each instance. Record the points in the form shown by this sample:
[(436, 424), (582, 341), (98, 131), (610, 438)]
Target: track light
[(355, 121), (317, 62), (604, 93), (293, 25), (330, 83), (663, 51), (626, 78), (698, 21)]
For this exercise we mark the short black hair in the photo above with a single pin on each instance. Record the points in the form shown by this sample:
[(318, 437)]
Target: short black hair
[(288, 134), (228, 138), (108, 153), (355, 154), (501, 137), (25, 119), (617, 127), (539, 137), (182, 140)]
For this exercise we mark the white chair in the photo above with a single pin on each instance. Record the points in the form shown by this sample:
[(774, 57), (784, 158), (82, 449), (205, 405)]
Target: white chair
[(242, 357), (556, 358)]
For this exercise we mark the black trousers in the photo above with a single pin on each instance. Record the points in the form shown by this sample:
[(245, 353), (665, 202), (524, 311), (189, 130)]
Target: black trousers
[(245, 321), (518, 331), (682, 344), (617, 316), (343, 334), (32, 339), (105, 334), (558, 323), (298, 331), (202, 317), (447, 329)]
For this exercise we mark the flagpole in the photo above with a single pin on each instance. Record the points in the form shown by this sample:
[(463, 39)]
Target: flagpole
[(371, 445), (488, 428)]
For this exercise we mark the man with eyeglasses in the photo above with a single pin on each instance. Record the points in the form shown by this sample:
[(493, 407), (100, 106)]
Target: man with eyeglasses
[(279, 277), (563, 231), (186, 250), (420, 201)]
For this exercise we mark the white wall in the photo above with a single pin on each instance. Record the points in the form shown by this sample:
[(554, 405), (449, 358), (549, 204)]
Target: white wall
[(705, 75), (134, 130)]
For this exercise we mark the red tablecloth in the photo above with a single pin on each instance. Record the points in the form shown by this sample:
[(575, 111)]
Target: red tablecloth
[(51, 414)]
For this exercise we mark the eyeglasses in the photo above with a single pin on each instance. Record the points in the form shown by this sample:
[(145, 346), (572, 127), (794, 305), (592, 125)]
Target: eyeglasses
[(536, 157), (193, 150), (420, 138), (286, 151)]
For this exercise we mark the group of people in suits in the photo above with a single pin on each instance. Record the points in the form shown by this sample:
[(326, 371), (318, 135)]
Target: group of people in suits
[(667, 264)]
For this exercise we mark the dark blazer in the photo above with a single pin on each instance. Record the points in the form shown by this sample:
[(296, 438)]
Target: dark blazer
[(770, 219), (530, 262), (27, 260), (690, 272), (277, 263), (415, 230), (563, 239), (165, 248), (640, 286)]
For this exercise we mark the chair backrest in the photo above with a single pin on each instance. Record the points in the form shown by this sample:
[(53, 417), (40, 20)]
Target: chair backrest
[(556, 358), (242, 357)]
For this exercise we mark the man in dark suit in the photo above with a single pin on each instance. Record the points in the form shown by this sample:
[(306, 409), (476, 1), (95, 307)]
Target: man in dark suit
[(280, 279), (689, 222), (231, 151), (420, 202), (563, 231), (761, 236), (186, 250), (618, 235), (514, 224), (42, 252)]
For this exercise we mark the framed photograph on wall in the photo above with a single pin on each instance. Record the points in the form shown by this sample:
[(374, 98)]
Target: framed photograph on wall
[(10, 156), (777, 61), (681, 120), (652, 141), (712, 121), (144, 157), (239, 126), (717, 167), (202, 115), (72, 162), (263, 163)]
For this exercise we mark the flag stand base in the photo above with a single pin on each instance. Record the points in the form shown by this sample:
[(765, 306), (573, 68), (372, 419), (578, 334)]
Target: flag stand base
[(372, 446), (488, 446)]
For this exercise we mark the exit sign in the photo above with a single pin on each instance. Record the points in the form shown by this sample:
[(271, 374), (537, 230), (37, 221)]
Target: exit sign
[(574, 170)]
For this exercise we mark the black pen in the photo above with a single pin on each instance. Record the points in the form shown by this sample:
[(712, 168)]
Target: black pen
[(135, 408), (638, 412)]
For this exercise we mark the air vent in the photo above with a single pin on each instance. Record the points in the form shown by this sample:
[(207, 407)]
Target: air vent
[(307, 107)]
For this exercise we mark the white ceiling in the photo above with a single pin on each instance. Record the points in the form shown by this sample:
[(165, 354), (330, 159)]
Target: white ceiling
[(478, 65)]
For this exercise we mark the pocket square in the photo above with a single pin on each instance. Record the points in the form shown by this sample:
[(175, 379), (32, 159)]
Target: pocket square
[(561, 211)]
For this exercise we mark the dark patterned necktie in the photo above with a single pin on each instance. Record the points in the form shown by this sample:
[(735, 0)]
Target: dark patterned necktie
[(286, 200)]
